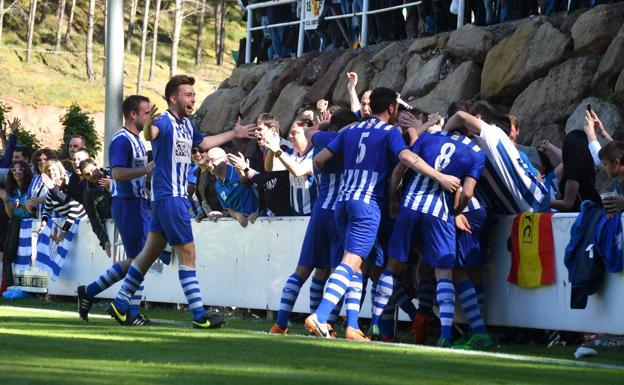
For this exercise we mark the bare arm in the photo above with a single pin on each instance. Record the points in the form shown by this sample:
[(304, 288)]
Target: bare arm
[(322, 157), (465, 195), (150, 132), (413, 161), (240, 131), (462, 118), (569, 197), (353, 98), (121, 174), (293, 167)]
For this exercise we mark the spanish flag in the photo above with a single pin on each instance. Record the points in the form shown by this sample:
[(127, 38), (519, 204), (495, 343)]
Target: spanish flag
[(532, 250)]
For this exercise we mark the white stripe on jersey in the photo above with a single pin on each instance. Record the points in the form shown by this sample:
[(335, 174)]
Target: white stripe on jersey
[(371, 187), (139, 159), (358, 192)]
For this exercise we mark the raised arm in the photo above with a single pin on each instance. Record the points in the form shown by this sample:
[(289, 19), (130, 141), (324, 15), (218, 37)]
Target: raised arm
[(353, 98), (462, 118), (240, 131), (150, 131)]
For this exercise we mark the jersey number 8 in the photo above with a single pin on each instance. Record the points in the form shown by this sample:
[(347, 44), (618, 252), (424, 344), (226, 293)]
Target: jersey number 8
[(443, 160)]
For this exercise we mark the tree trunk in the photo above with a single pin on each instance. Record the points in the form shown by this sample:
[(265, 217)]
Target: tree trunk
[(220, 14), (1, 18), (200, 33), (133, 11), (59, 25), (90, 72), (105, 30), (31, 28), (44, 11), (70, 21), (154, 41), (143, 42), (175, 41)]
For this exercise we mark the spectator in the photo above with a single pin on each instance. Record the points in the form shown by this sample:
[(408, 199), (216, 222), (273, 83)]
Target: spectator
[(578, 182), (612, 159), (530, 153), (593, 127), (9, 145), (22, 153), (361, 108), (237, 199), (299, 164), (205, 188), (38, 191), (75, 142), (96, 200)]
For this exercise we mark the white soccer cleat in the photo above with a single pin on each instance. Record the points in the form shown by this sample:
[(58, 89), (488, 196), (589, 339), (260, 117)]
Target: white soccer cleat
[(315, 327)]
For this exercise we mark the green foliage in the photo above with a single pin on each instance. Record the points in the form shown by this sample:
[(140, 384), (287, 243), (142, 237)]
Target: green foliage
[(77, 122), (4, 109), (28, 139)]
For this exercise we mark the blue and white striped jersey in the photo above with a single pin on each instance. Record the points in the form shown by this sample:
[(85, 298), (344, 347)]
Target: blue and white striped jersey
[(451, 154), (172, 155), (369, 151), (303, 190), (327, 179), (507, 185), (126, 150)]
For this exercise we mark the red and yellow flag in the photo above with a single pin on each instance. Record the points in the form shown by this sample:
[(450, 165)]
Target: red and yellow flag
[(532, 250)]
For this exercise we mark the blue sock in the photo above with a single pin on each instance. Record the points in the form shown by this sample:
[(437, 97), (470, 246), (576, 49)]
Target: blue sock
[(470, 305), (130, 284), (335, 289), (385, 287), (404, 301), (446, 303), (352, 299), (316, 293), (190, 286), (289, 296), (135, 302), (386, 323), (104, 281), (372, 293), (480, 290), (335, 313), (424, 290)]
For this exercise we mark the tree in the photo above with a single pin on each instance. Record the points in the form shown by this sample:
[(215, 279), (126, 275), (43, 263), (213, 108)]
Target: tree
[(175, 41), (77, 122), (220, 14), (143, 42), (154, 41), (59, 26), (89, 54), (200, 32), (31, 28), (133, 10), (1, 18), (70, 21)]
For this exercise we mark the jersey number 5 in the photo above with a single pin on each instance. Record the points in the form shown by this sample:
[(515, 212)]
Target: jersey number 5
[(443, 160), (361, 148)]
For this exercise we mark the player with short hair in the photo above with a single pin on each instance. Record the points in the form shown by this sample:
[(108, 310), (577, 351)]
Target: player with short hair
[(173, 136), (367, 150)]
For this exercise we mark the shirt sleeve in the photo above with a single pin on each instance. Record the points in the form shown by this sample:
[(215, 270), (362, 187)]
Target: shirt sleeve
[(396, 144), (335, 146), (164, 126), (6, 160), (594, 149), (478, 162), (120, 153)]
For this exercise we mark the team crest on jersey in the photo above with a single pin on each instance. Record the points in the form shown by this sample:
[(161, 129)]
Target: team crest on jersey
[(182, 148)]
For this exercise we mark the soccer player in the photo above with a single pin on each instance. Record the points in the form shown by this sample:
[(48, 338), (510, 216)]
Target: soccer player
[(173, 136), (129, 208), (367, 150)]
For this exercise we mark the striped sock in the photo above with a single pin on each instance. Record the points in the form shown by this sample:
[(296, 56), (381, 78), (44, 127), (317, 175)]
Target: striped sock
[(385, 287), (404, 301), (104, 281), (135, 302), (335, 313), (386, 324), (334, 290), (372, 293), (446, 303), (130, 284), (480, 290), (190, 286), (353, 297), (470, 305), (316, 293), (425, 289), (289, 296)]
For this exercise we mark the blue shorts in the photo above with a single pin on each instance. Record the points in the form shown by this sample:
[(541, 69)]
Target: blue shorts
[(321, 246), (380, 251), (469, 245), (132, 217), (437, 238), (357, 223), (170, 217)]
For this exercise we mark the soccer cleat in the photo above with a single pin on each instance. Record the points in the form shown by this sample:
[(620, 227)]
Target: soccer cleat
[(375, 334), (355, 334), (276, 329), (477, 341), (116, 314), (461, 340), (139, 320), (315, 327), (209, 322), (84, 303), (420, 327), (443, 343), (332, 332)]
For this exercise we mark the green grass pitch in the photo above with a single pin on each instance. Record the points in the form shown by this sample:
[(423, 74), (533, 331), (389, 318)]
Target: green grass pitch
[(43, 346)]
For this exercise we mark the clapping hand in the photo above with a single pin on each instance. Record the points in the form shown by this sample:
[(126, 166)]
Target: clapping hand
[(238, 161)]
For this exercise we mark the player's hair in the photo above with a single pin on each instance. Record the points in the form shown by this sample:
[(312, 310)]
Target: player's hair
[(268, 120), (342, 117), (460, 105), (381, 98), (175, 82), (133, 104), (612, 151), (26, 151)]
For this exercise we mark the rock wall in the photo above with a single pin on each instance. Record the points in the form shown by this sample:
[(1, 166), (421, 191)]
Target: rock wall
[(544, 70)]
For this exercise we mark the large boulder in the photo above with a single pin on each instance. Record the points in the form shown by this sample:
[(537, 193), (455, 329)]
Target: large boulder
[(293, 70), (610, 66), (289, 101), (461, 84), (517, 60), (248, 75), (360, 65), (429, 43), (553, 132), (593, 30), (425, 79), (220, 109), (317, 67), (393, 73), (619, 89), (324, 86), (261, 98), (413, 65), (382, 57), (552, 99), (470, 43), (611, 116)]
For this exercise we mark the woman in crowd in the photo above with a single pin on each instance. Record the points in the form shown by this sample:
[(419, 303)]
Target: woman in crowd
[(37, 190)]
